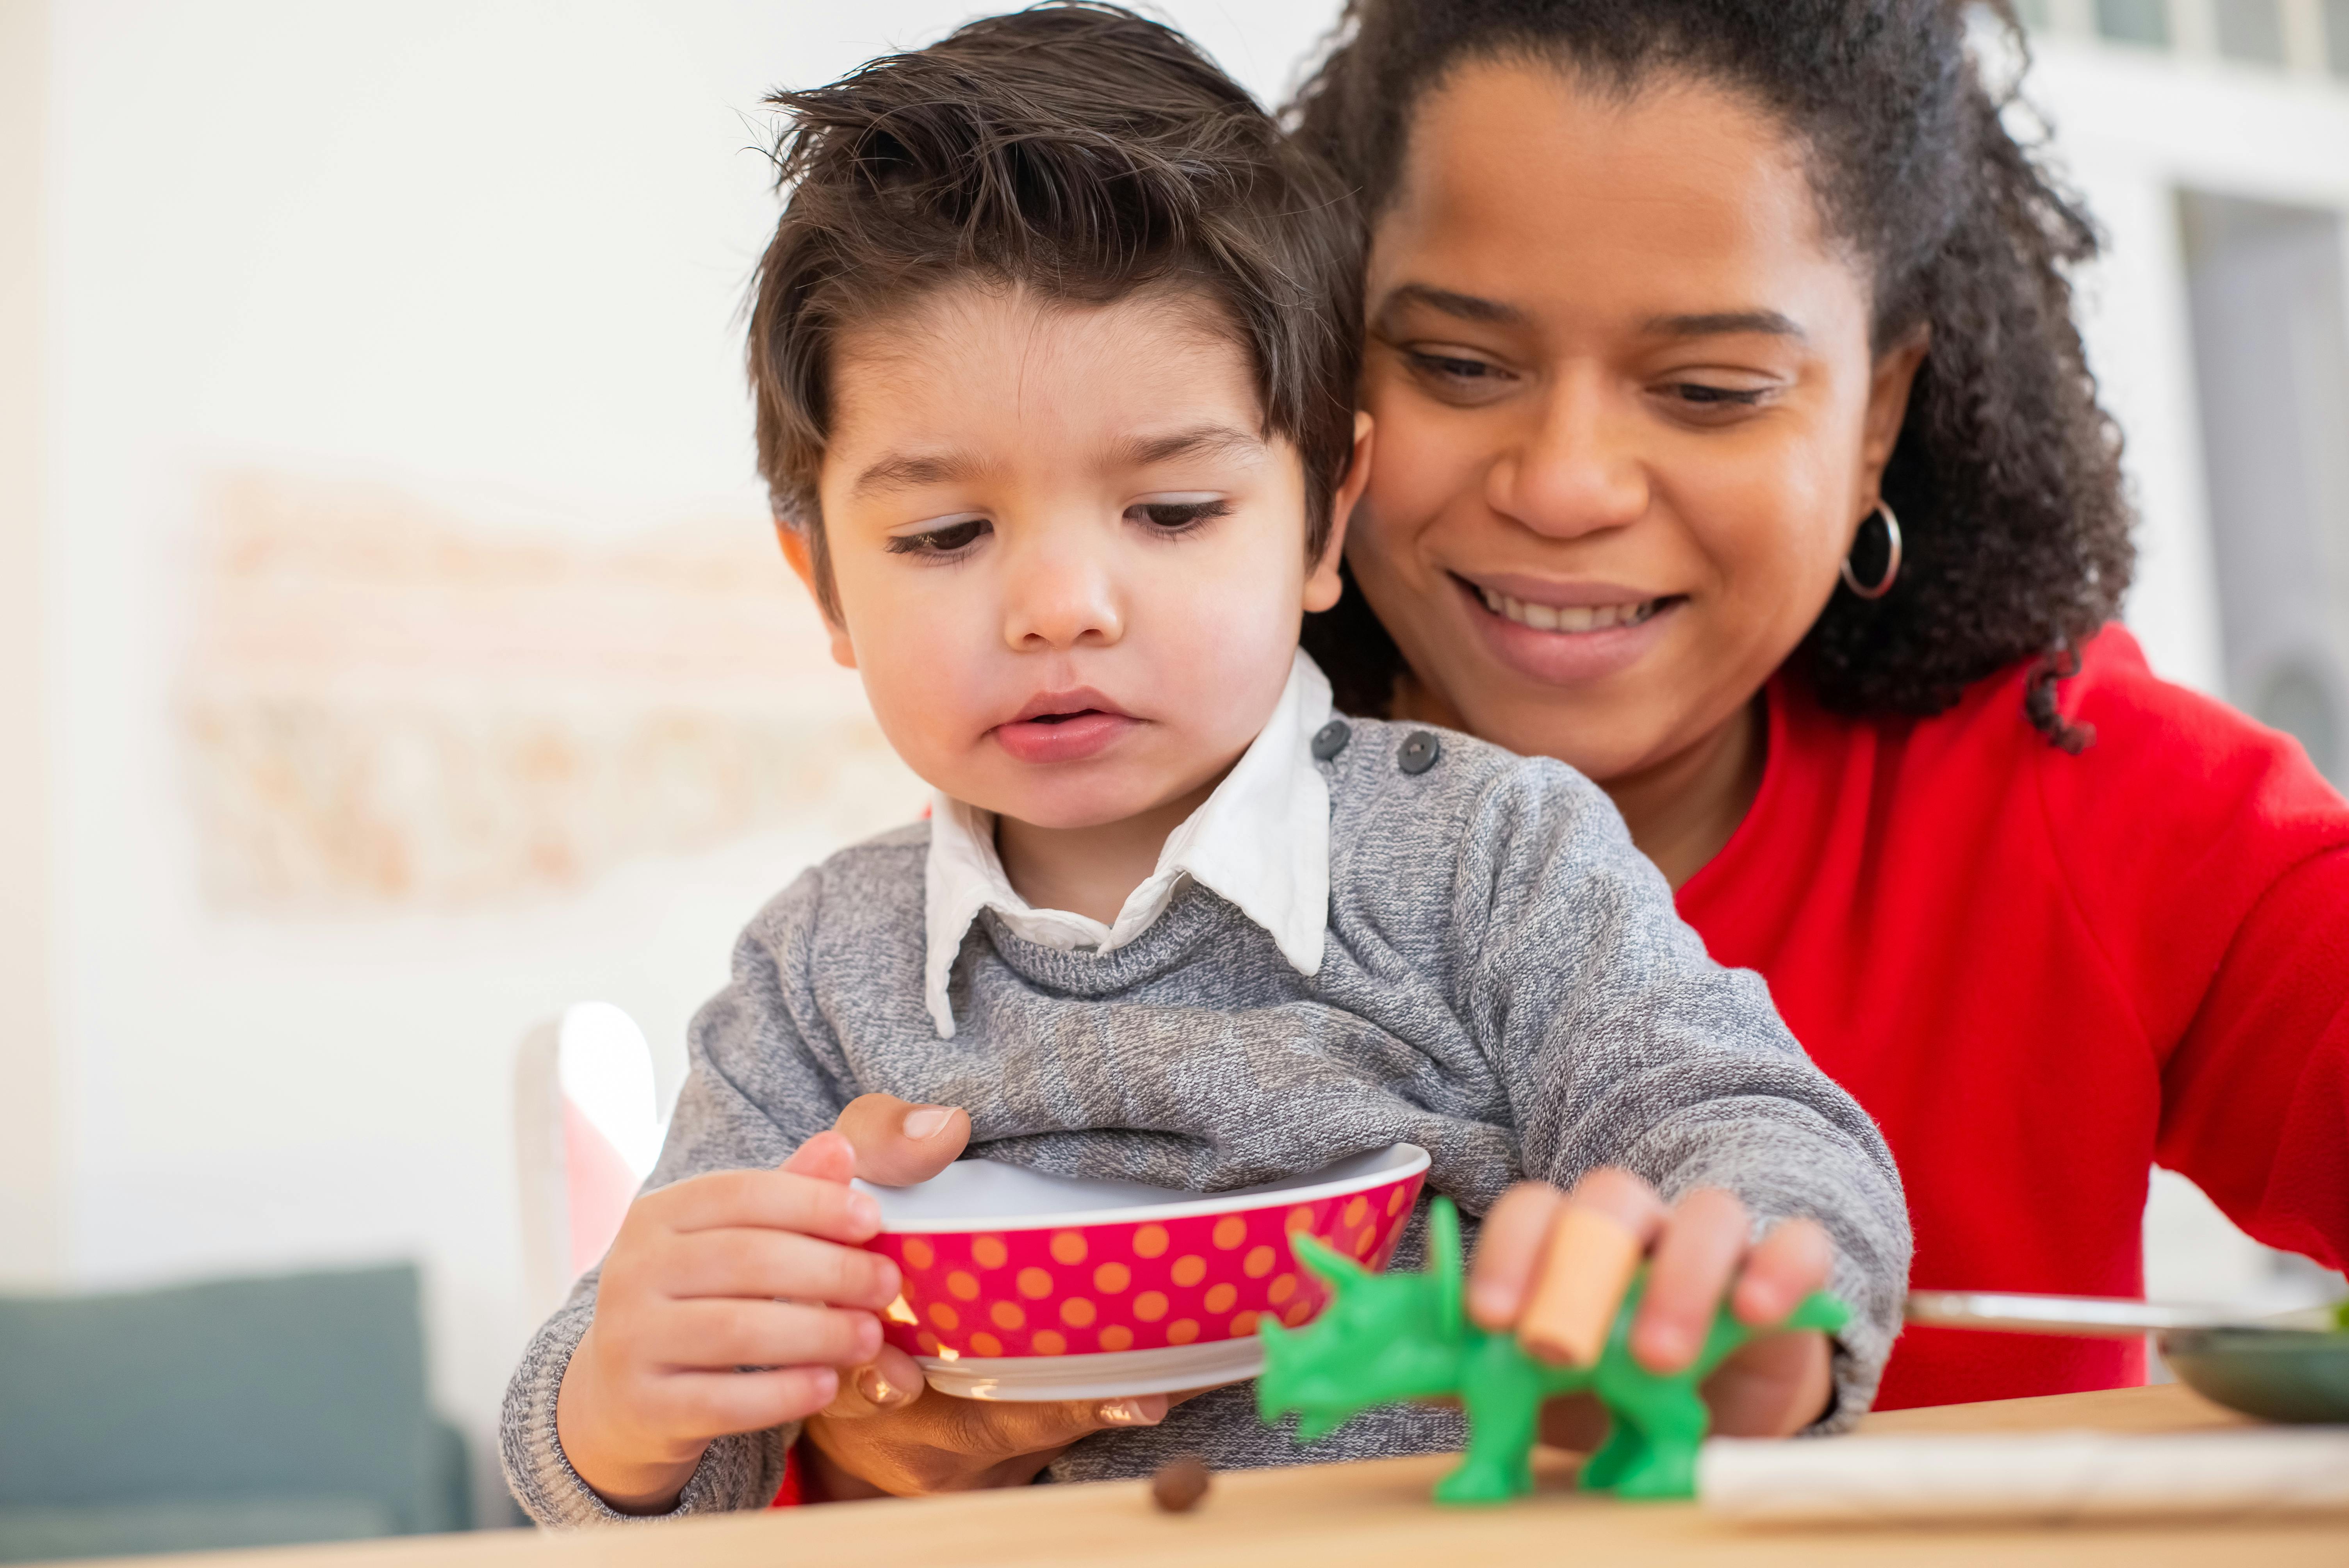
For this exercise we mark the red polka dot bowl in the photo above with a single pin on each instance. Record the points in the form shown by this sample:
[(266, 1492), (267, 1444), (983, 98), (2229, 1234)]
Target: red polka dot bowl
[(1024, 1286)]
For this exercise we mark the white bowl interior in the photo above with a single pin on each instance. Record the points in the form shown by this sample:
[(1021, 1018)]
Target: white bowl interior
[(985, 1194)]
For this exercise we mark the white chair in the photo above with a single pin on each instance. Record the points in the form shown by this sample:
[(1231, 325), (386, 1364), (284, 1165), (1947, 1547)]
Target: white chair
[(587, 1128)]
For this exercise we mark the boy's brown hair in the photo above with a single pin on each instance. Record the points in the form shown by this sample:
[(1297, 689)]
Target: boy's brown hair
[(1077, 150)]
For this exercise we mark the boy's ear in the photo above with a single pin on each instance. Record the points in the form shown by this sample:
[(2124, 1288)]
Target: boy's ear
[(1323, 584), (797, 551)]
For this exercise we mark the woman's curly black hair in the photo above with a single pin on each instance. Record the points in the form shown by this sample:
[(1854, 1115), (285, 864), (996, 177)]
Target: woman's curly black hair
[(2006, 476)]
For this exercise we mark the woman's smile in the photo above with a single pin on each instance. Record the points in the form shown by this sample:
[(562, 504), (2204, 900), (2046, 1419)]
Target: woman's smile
[(1561, 633)]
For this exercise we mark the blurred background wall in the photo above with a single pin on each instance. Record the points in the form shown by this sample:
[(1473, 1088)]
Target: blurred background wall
[(392, 650)]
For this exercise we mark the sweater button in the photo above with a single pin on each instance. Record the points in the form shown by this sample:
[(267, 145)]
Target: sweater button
[(1420, 751), (1330, 740)]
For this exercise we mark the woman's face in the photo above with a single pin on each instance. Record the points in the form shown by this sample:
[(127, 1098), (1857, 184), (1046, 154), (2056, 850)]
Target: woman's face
[(1628, 418)]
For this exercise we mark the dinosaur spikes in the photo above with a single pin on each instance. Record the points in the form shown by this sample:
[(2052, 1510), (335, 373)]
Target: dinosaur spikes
[(1333, 1265), (1444, 1258)]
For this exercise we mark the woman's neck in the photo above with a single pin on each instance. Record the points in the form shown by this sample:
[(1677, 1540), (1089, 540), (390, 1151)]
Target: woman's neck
[(1681, 810)]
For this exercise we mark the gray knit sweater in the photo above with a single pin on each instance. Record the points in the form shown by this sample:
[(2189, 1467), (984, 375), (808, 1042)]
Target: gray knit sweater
[(1504, 984)]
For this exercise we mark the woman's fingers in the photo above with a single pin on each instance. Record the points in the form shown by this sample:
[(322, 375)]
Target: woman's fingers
[(898, 1142), (1696, 1254), (936, 1443), (1508, 1250), (890, 1381), (1794, 1260), (1004, 1431)]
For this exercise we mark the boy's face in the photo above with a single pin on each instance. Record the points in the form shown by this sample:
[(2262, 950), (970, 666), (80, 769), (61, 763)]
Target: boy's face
[(1068, 564)]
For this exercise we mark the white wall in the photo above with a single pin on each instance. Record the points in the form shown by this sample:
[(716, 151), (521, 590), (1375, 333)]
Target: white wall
[(2132, 127), (484, 251), (31, 1233)]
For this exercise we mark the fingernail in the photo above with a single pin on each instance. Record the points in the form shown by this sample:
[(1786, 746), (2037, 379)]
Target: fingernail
[(863, 1210), (875, 1387), (1127, 1413), (927, 1121), (1663, 1349), (1490, 1308)]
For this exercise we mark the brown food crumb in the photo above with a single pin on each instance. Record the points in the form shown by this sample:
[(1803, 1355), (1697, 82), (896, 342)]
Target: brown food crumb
[(1179, 1484)]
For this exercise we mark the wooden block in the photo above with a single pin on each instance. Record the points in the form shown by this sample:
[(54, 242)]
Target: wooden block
[(1589, 1262)]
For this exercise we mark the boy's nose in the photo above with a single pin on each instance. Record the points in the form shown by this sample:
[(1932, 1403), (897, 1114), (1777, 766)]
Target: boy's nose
[(1060, 597)]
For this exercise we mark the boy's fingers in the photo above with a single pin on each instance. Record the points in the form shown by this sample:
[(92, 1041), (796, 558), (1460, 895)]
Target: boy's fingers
[(1693, 1261), (898, 1142), (1772, 1387), (1589, 1258), (890, 1381), (704, 1405), (718, 1334), (775, 1264), (1794, 1260), (1623, 1198), (827, 1157), (1508, 1249), (773, 1200)]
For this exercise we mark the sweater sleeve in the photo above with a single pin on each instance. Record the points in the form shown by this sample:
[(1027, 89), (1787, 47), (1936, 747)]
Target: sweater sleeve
[(2255, 1096), (754, 1091), (1623, 1043)]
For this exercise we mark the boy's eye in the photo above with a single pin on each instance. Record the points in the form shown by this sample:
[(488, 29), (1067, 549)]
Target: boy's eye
[(1178, 516), (945, 540)]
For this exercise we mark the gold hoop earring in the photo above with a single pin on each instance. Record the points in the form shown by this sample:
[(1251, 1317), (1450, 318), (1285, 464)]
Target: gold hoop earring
[(1882, 585)]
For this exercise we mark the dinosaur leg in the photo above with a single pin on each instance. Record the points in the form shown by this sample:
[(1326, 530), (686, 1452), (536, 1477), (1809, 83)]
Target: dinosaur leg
[(1625, 1449), (1504, 1405), (1670, 1424)]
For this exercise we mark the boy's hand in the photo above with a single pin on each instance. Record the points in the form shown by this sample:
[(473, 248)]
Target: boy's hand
[(742, 1269), (1697, 1251), (885, 1432)]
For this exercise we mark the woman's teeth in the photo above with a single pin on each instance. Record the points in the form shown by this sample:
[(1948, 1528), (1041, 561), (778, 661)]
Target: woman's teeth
[(1567, 617)]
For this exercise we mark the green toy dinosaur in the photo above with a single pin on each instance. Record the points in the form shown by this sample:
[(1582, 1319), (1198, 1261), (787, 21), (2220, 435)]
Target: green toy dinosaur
[(1404, 1336)]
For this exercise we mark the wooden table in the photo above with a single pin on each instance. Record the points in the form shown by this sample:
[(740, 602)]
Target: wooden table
[(1377, 1513)]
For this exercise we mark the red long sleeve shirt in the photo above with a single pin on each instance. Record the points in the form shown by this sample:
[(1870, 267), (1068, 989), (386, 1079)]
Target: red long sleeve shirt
[(2044, 973)]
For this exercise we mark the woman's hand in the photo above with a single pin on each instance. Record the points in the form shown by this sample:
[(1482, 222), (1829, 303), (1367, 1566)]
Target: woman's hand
[(885, 1432), (741, 1269), (1698, 1254)]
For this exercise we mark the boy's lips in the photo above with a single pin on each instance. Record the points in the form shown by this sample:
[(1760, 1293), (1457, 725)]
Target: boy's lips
[(1064, 726)]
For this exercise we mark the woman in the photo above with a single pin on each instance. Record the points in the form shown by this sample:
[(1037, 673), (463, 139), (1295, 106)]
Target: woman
[(1734, 444)]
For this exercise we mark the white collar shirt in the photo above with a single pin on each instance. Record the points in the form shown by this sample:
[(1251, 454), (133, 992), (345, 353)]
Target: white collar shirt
[(1261, 841)]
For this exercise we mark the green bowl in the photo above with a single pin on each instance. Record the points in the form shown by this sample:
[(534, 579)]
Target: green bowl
[(2278, 1374)]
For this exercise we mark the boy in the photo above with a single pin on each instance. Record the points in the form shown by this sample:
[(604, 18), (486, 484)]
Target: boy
[(1053, 353)]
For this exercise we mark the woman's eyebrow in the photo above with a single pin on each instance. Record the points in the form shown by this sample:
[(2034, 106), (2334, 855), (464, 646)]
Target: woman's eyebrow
[(1465, 308), (1721, 323)]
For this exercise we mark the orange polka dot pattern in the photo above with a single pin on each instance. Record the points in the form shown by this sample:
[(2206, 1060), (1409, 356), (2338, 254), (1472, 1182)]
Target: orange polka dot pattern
[(1107, 1288)]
